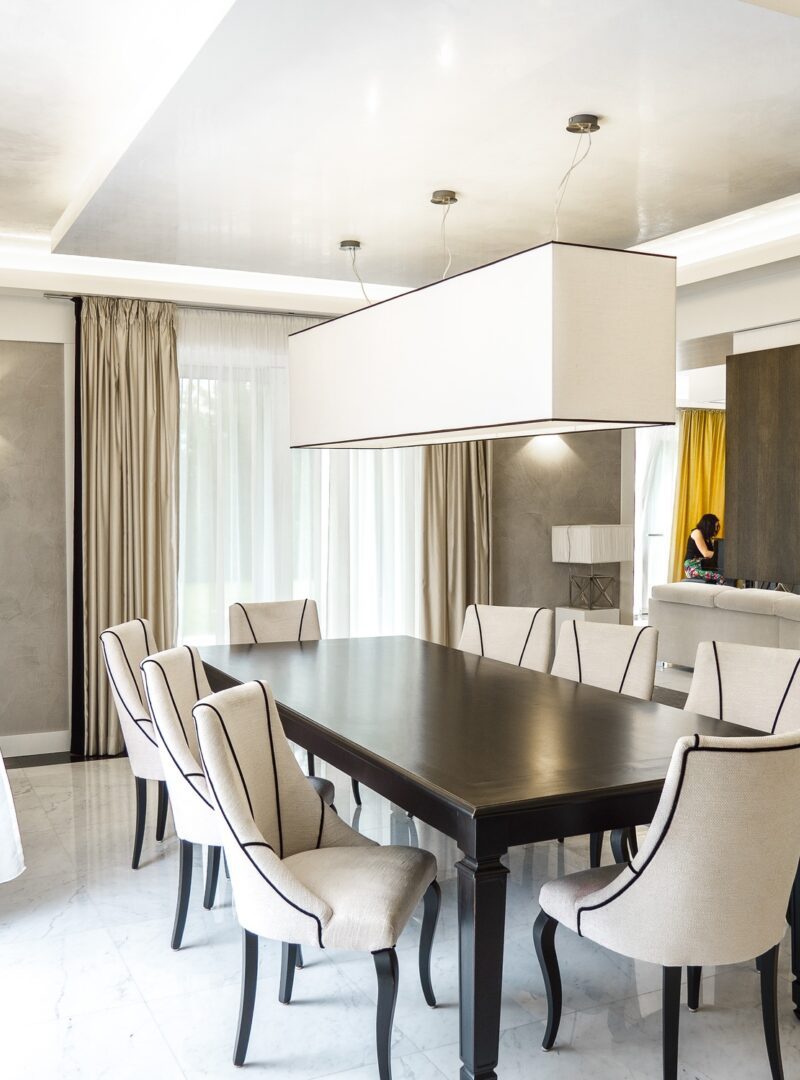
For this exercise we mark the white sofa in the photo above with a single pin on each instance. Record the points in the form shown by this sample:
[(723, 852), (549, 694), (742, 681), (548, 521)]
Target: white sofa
[(688, 612)]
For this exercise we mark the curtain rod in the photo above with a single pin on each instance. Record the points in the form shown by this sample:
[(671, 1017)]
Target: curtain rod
[(210, 307)]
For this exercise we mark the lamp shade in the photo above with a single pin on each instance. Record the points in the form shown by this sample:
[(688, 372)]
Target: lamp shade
[(592, 544), (556, 339)]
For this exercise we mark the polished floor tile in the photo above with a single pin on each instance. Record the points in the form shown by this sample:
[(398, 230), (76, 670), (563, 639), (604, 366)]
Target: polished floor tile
[(90, 988)]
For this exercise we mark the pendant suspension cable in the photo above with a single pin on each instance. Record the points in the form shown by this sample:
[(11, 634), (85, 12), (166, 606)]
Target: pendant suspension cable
[(562, 187), (447, 255)]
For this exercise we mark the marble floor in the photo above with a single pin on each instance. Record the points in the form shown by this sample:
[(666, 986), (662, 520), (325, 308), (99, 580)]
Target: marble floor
[(90, 988)]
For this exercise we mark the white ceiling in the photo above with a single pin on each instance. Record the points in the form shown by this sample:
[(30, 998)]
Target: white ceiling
[(299, 124), (77, 80)]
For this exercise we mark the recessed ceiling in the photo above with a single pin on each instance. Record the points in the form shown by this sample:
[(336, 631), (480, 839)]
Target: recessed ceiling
[(76, 83), (300, 124)]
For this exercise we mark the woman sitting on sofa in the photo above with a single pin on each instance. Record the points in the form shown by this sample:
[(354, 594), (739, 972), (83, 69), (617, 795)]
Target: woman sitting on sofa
[(701, 554)]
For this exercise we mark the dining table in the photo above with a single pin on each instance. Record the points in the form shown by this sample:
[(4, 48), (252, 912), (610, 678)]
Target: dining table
[(490, 754)]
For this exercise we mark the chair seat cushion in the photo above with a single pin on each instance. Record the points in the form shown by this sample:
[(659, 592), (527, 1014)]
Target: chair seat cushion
[(562, 897), (371, 891)]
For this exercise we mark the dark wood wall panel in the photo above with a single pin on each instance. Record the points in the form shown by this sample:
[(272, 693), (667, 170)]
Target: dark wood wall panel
[(762, 480)]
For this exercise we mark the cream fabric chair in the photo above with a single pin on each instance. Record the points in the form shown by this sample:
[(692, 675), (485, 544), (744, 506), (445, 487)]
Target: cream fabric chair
[(174, 681), (273, 622), (279, 620), (753, 685), (618, 658), (124, 647), (515, 635), (299, 874), (709, 886)]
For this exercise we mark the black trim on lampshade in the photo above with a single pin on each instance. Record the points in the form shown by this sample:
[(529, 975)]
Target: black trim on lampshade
[(77, 693)]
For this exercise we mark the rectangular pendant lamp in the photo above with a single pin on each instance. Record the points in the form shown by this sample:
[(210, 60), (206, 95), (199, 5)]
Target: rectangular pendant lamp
[(560, 338)]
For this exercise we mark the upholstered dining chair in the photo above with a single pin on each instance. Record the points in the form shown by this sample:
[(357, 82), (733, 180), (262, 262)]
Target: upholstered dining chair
[(618, 658), (299, 874), (124, 647), (708, 887), (275, 621), (754, 685), (515, 635), (174, 681)]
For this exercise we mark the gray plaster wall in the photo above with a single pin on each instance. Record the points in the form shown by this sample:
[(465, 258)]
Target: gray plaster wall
[(538, 483), (33, 578)]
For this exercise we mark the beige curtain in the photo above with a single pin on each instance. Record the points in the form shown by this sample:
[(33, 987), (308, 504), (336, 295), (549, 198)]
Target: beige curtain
[(456, 536), (129, 428)]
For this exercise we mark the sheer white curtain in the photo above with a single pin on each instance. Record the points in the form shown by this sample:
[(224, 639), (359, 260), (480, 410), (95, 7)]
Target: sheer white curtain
[(656, 465), (261, 522)]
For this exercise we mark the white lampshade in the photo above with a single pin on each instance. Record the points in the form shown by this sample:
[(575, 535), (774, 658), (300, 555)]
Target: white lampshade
[(592, 544), (557, 339)]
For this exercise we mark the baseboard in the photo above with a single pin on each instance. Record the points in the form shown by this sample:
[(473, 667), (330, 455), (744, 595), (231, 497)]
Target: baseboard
[(40, 742)]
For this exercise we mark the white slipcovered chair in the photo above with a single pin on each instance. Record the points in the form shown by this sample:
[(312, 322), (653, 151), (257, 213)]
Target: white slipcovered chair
[(618, 658), (299, 874), (12, 862), (515, 635), (124, 647), (708, 887), (275, 621), (754, 685), (174, 681)]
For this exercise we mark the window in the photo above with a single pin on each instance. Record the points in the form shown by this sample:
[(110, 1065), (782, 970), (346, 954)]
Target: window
[(261, 522)]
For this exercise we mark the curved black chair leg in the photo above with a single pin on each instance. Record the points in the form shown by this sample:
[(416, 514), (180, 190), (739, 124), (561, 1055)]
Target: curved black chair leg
[(671, 1005), (311, 763), (288, 965), (163, 804), (185, 861), (544, 934), (595, 849), (619, 845), (299, 961), (693, 977), (141, 815), (212, 876), (356, 791), (432, 901), (768, 967), (633, 842), (388, 975), (248, 998)]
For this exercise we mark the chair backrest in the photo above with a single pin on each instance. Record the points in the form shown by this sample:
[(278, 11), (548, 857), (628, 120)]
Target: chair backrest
[(280, 620), (124, 647), (516, 635), (712, 879), (253, 773), (619, 658), (174, 682), (753, 685)]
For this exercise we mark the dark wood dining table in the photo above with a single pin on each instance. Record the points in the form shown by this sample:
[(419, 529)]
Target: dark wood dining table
[(490, 754)]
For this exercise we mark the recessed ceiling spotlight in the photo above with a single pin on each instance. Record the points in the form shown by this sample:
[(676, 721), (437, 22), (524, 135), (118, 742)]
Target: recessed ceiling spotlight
[(444, 197), (583, 124)]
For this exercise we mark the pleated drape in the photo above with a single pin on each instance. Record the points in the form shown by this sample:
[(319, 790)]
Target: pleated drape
[(129, 421), (456, 536), (701, 477)]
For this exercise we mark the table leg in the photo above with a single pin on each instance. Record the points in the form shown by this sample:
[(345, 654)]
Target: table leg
[(794, 913), (481, 928)]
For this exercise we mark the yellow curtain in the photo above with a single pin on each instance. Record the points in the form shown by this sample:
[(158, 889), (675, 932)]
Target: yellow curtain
[(456, 536), (701, 477)]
